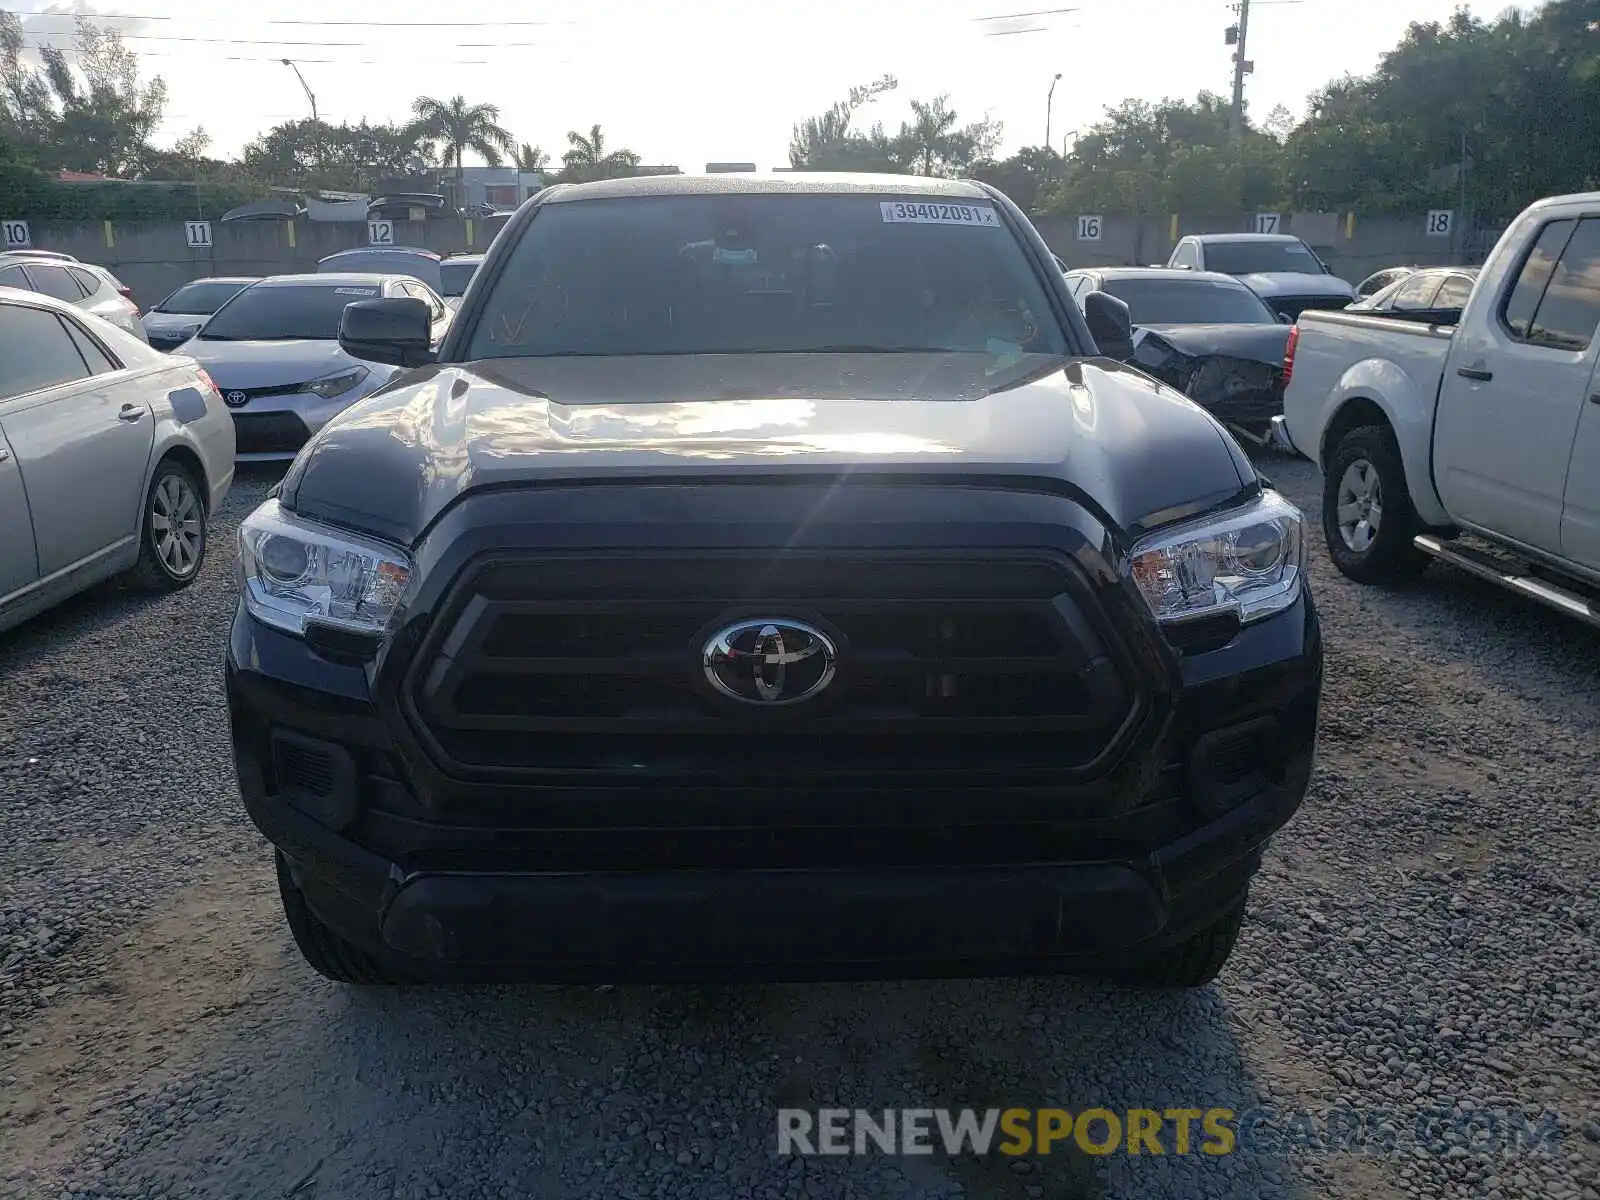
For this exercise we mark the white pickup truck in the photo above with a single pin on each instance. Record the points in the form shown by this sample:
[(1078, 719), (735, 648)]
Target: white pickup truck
[(1490, 428)]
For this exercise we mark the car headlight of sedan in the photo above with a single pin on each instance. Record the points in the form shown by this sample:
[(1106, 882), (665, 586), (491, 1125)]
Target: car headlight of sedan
[(295, 571), (1250, 561), (330, 386)]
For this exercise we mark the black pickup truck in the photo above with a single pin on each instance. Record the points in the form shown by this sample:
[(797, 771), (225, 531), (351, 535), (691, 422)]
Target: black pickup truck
[(768, 578)]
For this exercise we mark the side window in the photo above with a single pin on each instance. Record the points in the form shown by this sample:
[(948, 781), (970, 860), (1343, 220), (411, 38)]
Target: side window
[(1188, 255), (1534, 277), (14, 278), (54, 281), (1568, 314), (1453, 292), (1417, 292), (35, 351), (86, 281), (99, 361)]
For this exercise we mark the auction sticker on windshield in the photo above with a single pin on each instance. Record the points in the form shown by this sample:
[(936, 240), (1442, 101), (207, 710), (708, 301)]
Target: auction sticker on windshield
[(938, 214), (355, 291)]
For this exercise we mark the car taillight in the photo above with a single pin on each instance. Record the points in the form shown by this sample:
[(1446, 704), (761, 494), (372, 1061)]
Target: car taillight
[(205, 378), (1288, 353), (127, 294)]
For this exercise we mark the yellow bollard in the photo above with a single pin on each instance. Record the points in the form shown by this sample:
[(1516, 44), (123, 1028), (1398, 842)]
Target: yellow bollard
[(111, 239)]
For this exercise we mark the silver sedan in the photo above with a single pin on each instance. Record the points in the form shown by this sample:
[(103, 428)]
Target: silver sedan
[(112, 457), (274, 351)]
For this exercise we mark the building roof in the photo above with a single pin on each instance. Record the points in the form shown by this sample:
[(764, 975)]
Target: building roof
[(797, 183)]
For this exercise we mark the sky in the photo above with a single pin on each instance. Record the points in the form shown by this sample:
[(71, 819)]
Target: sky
[(723, 80)]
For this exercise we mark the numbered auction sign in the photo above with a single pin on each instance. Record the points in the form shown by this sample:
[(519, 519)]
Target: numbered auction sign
[(380, 233), (1439, 220), (1266, 222), (16, 235), (1089, 228), (197, 234)]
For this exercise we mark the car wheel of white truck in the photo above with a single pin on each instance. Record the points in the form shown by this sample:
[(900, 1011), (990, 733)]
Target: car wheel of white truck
[(1367, 515)]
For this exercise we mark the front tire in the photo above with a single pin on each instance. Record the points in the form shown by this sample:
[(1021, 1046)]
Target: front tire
[(1368, 519), (172, 530)]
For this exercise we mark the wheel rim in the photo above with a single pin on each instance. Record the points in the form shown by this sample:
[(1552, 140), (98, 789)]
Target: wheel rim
[(1360, 505), (176, 527)]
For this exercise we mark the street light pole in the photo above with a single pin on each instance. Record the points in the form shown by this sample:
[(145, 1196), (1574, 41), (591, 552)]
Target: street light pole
[(315, 120), (1049, 102)]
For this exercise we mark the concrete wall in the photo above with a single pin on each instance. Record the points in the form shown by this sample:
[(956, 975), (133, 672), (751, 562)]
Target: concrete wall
[(155, 259)]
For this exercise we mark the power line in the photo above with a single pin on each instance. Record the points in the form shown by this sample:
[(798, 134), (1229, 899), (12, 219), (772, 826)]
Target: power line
[(365, 45), (100, 17)]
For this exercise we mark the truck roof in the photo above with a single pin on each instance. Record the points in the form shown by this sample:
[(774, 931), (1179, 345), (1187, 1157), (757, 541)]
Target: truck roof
[(787, 183), (1160, 273), (1243, 237)]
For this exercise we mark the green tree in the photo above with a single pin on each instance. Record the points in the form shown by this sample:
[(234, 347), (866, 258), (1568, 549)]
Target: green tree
[(531, 158), (315, 154), (86, 112), (934, 142), (827, 142), (457, 127), (587, 157)]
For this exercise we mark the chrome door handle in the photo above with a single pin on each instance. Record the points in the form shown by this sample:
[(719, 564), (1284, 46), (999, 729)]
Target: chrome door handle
[(130, 412)]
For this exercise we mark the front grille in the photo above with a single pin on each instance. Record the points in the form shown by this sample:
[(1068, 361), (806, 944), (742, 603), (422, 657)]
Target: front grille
[(269, 433), (582, 662), (249, 394)]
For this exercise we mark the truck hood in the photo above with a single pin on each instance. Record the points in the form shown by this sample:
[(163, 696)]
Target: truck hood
[(1293, 283), (1136, 452)]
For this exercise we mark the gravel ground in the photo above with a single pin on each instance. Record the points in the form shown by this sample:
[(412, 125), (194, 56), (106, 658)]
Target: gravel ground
[(1422, 941)]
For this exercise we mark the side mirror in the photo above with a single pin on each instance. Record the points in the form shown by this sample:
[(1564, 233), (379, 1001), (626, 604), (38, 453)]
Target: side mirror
[(1110, 324), (396, 331)]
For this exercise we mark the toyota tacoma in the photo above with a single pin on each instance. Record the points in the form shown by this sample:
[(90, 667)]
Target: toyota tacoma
[(767, 577)]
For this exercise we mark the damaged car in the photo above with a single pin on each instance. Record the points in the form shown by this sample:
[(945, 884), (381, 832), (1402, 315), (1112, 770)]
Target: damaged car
[(1202, 332)]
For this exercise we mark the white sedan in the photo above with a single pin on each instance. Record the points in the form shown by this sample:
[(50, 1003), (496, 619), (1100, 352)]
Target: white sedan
[(113, 456)]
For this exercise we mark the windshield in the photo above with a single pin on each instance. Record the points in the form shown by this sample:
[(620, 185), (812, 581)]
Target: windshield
[(1189, 302), (765, 274), (282, 312), (454, 277), (200, 298), (1250, 258)]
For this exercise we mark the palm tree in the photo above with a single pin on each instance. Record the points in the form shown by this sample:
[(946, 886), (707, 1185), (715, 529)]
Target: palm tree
[(457, 127), (587, 157), (929, 133), (531, 158)]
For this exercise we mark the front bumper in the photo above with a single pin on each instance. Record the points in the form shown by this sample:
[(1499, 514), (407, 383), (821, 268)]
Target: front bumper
[(273, 428), (904, 880)]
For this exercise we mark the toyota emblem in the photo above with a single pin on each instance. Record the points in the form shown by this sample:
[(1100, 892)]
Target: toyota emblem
[(236, 399), (769, 661)]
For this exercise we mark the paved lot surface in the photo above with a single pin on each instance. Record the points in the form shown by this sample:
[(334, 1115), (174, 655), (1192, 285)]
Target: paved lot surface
[(1423, 940)]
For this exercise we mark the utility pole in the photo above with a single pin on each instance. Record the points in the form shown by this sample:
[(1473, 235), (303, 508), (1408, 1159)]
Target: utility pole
[(1235, 37)]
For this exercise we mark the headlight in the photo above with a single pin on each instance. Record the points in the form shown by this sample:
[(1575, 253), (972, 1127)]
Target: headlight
[(1250, 561), (330, 386), (295, 570)]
